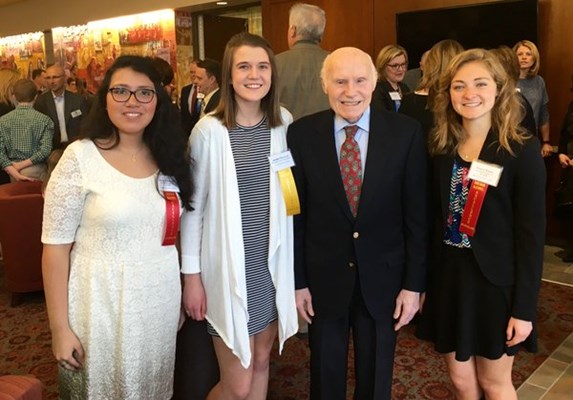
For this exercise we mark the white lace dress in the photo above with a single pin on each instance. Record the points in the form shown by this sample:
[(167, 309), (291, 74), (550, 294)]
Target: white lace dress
[(124, 287)]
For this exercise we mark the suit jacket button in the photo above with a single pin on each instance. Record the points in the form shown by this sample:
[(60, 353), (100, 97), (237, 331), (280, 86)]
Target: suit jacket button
[(355, 235), (351, 264)]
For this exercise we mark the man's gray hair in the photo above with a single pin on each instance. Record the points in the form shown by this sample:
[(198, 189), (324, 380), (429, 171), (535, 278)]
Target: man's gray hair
[(309, 21)]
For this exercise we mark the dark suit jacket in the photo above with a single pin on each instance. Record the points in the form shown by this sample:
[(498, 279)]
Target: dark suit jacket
[(213, 102), (510, 233), (73, 103), (381, 96), (387, 239), (188, 120), (566, 138)]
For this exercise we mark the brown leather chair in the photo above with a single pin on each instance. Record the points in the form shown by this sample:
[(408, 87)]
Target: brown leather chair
[(20, 387), (21, 208)]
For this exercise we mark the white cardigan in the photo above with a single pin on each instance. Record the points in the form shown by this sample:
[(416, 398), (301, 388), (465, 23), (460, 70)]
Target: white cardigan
[(212, 237)]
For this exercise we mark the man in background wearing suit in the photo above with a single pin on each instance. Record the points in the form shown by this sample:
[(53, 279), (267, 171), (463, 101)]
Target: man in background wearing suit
[(299, 67), (207, 81), (360, 240), (187, 102), (65, 108)]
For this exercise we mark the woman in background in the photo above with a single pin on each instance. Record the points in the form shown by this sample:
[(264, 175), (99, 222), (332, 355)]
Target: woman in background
[(237, 243), (392, 64), (482, 298), (418, 104), (8, 78), (532, 86), (110, 266)]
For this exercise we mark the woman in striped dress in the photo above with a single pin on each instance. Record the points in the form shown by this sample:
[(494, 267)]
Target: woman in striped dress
[(237, 243)]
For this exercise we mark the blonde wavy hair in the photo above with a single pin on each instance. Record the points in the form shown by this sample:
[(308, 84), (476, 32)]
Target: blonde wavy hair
[(534, 69), (435, 62), (506, 114), (8, 78)]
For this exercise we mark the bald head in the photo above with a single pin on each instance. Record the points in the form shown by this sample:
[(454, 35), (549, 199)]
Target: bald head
[(56, 79), (348, 78)]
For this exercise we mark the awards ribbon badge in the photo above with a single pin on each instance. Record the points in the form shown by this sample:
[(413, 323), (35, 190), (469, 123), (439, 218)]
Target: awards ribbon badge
[(281, 163), (171, 218), (172, 209), (483, 175)]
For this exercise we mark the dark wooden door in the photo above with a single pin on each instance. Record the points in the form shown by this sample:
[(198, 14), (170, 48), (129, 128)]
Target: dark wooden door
[(217, 31)]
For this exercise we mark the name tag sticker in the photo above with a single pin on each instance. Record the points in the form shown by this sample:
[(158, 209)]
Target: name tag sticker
[(166, 184), (485, 172), (395, 96), (76, 113), (281, 161)]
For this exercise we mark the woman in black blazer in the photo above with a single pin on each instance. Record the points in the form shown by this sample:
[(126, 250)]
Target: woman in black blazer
[(486, 270), (392, 64)]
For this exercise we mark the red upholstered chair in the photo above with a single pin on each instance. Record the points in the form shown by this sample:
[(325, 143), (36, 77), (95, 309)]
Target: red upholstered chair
[(21, 208), (18, 387)]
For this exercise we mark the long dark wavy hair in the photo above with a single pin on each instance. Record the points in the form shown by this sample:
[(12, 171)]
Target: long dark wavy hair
[(164, 135)]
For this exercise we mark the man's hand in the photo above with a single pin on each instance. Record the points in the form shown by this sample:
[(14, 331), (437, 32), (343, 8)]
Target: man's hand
[(304, 304), (407, 304), (546, 150), (16, 175), (20, 165)]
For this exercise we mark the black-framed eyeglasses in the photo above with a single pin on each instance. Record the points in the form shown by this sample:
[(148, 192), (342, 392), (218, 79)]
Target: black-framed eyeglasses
[(122, 95), (396, 66)]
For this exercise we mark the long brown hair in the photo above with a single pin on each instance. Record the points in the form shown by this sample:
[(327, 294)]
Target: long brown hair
[(507, 112), (226, 111)]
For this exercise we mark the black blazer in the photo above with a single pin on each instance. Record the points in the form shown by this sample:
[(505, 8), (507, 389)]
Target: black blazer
[(387, 239), (213, 101), (566, 138), (188, 120), (75, 109), (510, 233), (381, 96)]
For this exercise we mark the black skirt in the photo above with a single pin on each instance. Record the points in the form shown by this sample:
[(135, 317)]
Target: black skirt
[(465, 313)]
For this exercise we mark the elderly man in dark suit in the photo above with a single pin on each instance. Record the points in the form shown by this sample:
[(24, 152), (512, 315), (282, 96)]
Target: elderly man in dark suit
[(360, 240), (65, 108)]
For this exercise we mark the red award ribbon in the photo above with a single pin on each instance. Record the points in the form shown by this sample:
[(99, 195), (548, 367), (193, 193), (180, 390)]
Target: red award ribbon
[(171, 218), (472, 208)]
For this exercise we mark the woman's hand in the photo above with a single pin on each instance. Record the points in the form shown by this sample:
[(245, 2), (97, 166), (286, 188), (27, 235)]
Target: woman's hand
[(194, 298), (565, 161), (517, 331), (67, 349)]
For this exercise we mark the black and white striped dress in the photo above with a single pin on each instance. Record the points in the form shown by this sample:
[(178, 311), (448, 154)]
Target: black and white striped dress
[(251, 147)]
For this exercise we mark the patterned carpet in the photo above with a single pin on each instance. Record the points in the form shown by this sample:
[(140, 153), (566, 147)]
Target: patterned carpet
[(419, 373)]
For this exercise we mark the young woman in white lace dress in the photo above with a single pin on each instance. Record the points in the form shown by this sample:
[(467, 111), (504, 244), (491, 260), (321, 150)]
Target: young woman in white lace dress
[(111, 271)]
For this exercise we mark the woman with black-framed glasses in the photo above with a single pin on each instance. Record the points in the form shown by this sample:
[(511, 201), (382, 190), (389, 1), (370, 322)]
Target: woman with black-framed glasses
[(111, 217), (392, 64)]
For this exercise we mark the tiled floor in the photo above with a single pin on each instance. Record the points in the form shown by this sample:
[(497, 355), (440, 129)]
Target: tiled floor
[(553, 380)]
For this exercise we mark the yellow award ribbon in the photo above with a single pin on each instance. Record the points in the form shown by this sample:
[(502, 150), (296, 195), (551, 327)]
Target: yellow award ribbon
[(290, 194)]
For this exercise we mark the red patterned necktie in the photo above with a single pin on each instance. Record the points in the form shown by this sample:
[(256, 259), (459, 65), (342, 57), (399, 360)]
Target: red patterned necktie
[(351, 168)]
